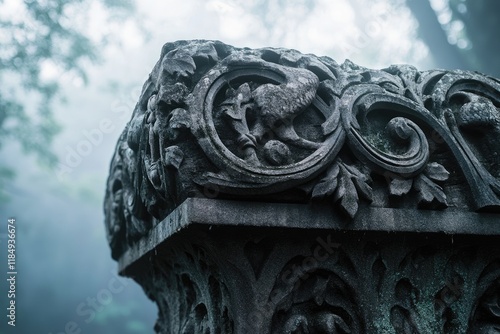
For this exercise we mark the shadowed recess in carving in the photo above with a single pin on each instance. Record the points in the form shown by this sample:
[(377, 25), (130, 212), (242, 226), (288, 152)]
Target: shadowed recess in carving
[(193, 299), (257, 253), (319, 303), (486, 314)]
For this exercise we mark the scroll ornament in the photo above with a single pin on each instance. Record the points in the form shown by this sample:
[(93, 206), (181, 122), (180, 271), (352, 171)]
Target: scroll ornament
[(275, 124)]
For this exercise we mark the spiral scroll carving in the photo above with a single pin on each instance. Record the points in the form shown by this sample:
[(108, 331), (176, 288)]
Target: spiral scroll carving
[(215, 120)]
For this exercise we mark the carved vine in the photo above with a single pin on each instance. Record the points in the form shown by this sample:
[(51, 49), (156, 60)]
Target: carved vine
[(217, 120)]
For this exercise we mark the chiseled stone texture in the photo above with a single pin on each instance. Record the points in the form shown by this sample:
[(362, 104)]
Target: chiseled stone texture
[(216, 266), (270, 191)]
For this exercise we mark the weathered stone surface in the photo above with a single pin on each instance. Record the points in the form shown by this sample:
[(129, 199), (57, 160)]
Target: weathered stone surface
[(244, 214), (214, 120), (237, 161), (217, 266)]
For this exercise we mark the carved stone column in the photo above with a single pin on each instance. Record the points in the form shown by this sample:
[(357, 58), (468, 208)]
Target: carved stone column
[(269, 191)]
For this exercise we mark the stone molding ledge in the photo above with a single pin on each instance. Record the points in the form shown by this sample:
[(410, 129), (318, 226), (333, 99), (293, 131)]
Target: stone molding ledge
[(211, 212)]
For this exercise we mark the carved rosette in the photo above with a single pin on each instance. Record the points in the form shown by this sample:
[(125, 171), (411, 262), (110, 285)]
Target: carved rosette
[(217, 121)]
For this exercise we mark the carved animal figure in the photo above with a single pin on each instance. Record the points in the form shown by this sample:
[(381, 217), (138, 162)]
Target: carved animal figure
[(278, 105), (272, 107)]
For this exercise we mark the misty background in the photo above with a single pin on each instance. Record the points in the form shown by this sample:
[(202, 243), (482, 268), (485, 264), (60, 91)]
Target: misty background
[(71, 72)]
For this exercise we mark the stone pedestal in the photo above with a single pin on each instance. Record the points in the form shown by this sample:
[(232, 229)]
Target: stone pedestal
[(216, 266), (269, 191)]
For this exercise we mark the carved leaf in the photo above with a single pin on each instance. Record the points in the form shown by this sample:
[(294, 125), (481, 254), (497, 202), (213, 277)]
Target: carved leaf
[(235, 101), (350, 199), (179, 63), (406, 293), (360, 182), (347, 193), (429, 192), (436, 172), (257, 252), (363, 188), (173, 156), (242, 94), (399, 187), (345, 183), (205, 52), (328, 184), (378, 271)]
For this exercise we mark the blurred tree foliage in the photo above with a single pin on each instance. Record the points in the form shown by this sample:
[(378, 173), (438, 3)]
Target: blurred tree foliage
[(40, 36), (461, 33)]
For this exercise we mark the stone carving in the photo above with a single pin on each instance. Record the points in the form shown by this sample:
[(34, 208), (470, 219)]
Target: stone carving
[(273, 108), (356, 144), (423, 289), (191, 296), (312, 282), (317, 302), (486, 317), (217, 120)]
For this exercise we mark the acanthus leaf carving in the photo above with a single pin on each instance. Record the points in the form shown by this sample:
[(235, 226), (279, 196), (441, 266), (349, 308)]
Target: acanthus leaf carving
[(344, 184), (327, 185), (179, 64), (316, 305), (400, 186), (429, 192), (436, 172)]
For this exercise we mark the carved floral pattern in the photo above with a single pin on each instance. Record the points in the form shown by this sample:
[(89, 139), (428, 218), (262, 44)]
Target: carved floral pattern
[(306, 283), (259, 122), (191, 296)]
